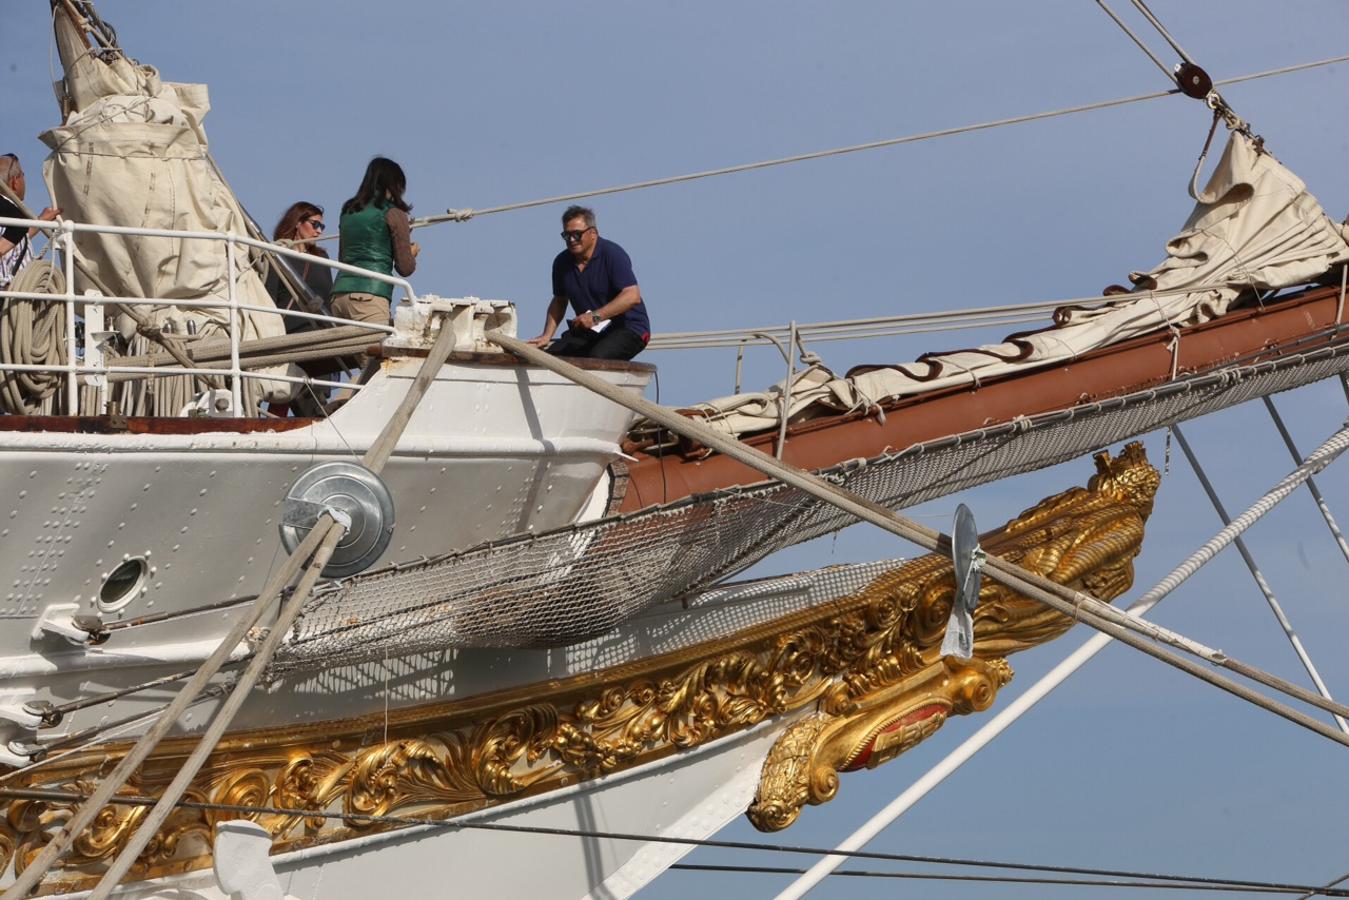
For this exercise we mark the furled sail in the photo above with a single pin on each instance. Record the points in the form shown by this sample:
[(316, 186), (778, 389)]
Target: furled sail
[(1253, 227), (132, 152)]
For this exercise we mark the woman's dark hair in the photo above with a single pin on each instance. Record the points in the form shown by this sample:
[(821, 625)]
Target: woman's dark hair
[(289, 224), (383, 178)]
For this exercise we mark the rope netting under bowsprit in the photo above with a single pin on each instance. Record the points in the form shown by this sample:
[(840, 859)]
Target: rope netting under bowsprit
[(564, 586)]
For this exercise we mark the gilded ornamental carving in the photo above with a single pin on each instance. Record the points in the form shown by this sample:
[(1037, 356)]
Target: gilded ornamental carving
[(861, 673)]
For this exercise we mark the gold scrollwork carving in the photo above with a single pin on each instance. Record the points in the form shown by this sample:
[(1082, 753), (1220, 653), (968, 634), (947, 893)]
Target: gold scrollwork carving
[(868, 663), (1086, 538)]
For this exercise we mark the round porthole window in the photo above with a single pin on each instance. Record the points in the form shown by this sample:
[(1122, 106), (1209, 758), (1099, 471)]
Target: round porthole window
[(123, 583)]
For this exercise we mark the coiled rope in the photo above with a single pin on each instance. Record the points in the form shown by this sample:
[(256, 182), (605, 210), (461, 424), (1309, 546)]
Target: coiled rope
[(33, 332)]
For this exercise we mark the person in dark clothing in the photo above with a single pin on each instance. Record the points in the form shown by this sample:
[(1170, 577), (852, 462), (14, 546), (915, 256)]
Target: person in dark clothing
[(16, 242), (595, 276), (301, 224)]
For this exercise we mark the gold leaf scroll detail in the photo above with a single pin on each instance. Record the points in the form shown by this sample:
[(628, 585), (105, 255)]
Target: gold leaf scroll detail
[(804, 763), (858, 655), (1085, 538)]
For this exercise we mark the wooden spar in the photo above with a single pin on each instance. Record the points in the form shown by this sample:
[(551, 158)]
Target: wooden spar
[(1109, 372), (1075, 604)]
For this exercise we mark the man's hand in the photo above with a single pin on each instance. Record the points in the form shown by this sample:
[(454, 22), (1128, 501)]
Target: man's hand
[(540, 341), (49, 214), (587, 319)]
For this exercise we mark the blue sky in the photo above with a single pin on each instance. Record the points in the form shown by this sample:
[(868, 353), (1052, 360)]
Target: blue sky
[(1130, 765)]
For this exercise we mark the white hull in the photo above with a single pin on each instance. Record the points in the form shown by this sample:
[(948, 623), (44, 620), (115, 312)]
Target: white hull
[(492, 450), (690, 794)]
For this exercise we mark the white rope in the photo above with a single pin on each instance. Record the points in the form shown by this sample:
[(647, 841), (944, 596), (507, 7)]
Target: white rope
[(1137, 40), (908, 323), (1318, 460), (33, 332), (1312, 487), (463, 215), (1284, 622), (1161, 29)]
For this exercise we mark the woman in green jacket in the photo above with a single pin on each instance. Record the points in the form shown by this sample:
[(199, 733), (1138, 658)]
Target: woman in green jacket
[(375, 234)]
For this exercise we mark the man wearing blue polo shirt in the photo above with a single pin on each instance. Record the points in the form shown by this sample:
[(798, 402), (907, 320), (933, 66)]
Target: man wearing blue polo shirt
[(595, 276)]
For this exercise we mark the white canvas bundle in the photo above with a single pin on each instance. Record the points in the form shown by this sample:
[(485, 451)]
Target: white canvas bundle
[(1253, 226), (132, 152)]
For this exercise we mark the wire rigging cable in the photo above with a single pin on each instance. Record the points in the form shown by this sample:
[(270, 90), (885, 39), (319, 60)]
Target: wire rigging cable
[(463, 215), (1192, 881), (990, 879)]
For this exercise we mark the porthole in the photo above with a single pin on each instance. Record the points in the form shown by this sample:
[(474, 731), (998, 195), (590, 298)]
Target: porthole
[(123, 583)]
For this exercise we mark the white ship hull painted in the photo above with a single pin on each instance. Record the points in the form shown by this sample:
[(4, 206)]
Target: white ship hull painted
[(691, 794), (492, 450)]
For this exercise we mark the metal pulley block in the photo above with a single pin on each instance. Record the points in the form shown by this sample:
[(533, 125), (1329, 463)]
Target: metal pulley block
[(353, 493), (1193, 81)]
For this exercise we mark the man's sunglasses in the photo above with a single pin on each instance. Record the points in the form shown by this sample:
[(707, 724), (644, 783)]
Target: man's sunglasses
[(571, 237)]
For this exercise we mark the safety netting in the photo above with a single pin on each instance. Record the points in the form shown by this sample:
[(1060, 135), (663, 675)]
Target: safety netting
[(563, 586)]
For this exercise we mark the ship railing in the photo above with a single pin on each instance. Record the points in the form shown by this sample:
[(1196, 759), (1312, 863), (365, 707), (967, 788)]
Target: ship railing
[(61, 233)]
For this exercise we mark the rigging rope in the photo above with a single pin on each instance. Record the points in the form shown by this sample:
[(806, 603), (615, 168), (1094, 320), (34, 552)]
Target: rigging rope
[(33, 332), (1311, 482), (463, 215), (471, 825), (986, 879), (1284, 622), (1319, 458), (907, 323), (1137, 40)]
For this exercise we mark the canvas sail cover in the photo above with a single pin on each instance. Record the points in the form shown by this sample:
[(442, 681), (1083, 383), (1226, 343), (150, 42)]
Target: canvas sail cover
[(132, 152), (1254, 226)]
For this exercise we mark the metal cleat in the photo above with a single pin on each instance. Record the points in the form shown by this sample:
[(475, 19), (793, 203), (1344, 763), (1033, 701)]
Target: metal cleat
[(17, 760), (49, 713), (20, 712), (65, 620)]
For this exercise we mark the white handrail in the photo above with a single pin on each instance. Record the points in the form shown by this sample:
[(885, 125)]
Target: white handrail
[(62, 234), (195, 304), (133, 231)]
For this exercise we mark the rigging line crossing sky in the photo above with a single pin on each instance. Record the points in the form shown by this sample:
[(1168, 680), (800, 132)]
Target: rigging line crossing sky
[(1317, 460), (1161, 29), (993, 879), (1137, 40), (463, 215), (1284, 622), (448, 824)]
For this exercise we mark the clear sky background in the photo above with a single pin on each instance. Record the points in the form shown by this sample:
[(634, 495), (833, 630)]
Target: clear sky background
[(1130, 765)]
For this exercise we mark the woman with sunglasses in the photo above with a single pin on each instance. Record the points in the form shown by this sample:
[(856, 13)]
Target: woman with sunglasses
[(301, 224), (375, 234)]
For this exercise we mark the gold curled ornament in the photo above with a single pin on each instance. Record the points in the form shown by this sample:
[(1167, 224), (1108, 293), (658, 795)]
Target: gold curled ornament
[(864, 669)]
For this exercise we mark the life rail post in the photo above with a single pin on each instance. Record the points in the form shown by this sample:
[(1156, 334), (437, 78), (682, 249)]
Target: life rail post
[(67, 242), (236, 374)]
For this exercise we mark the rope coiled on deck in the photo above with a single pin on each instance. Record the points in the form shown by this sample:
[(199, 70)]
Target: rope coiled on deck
[(32, 332)]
